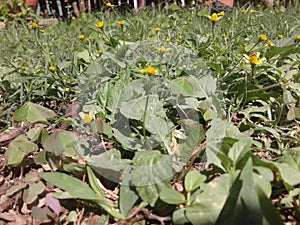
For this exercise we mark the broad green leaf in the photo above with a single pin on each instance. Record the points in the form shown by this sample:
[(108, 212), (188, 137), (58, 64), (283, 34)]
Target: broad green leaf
[(239, 149), (249, 196), (31, 194), (182, 86), (172, 196), (210, 114), (128, 194), (61, 141), (18, 150), (193, 180), (179, 217), (135, 109), (151, 173), (110, 161), (218, 131), (194, 135), (76, 188), (289, 167), (32, 112), (271, 215), (293, 113), (208, 204)]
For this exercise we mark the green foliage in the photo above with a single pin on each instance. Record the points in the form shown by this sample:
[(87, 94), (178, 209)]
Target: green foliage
[(143, 109)]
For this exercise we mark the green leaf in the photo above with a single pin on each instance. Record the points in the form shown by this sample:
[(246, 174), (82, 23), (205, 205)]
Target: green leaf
[(182, 86), (239, 149), (134, 109), (61, 141), (208, 204), (31, 194), (179, 217), (151, 173), (76, 188), (171, 196), (32, 112), (18, 150), (128, 194), (193, 180), (94, 182)]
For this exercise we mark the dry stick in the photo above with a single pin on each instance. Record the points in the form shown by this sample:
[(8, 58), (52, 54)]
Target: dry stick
[(190, 163), (8, 136)]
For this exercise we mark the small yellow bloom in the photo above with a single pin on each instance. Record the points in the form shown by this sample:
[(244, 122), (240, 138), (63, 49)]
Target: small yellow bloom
[(23, 68), (185, 23), (222, 13), (252, 11), (34, 25), (100, 52), (224, 35), (162, 49), (87, 118), (157, 29), (109, 4), (121, 22), (298, 37), (167, 39), (169, 26), (149, 70), (42, 31), (52, 68), (280, 36), (214, 17), (81, 37), (255, 60), (100, 24), (262, 37), (179, 33), (243, 11), (270, 43)]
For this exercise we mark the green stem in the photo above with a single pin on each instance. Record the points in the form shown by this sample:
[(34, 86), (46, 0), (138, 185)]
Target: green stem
[(188, 198)]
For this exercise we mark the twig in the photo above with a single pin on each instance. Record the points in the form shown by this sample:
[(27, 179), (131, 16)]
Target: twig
[(190, 163)]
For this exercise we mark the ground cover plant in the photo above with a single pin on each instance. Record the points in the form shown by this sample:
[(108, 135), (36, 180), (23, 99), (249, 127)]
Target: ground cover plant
[(171, 116)]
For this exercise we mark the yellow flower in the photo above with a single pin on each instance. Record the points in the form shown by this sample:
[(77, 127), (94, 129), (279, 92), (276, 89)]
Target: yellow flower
[(162, 49), (87, 118), (167, 39), (243, 11), (280, 36), (157, 29), (81, 37), (149, 70), (121, 22), (100, 52), (169, 26), (179, 33), (52, 68), (262, 37), (298, 37), (255, 60), (34, 25), (23, 68), (270, 43), (185, 23), (214, 17), (222, 13), (100, 24), (109, 4), (252, 11), (224, 35), (42, 31)]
